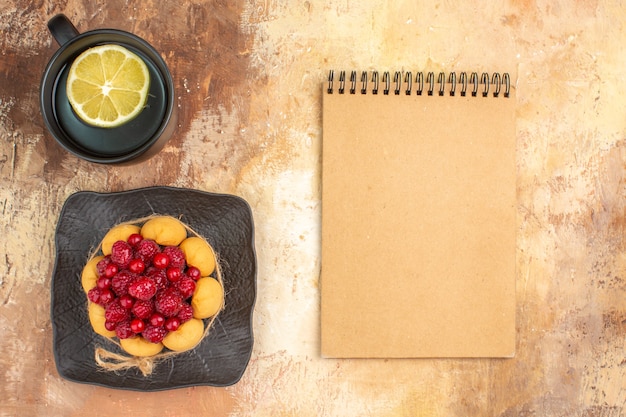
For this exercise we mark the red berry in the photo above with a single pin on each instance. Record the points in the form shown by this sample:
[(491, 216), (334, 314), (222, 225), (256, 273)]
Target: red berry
[(161, 260), (121, 282), (143, 288), (106, 296), (136, 265), (146, 249), (168, 302), (172, 324), (114, 312), (121, 253), (154, 334), (158, 276), (134, 239), (102, 265), (193, 273), (103, 282), (176, 255), (186, 286), (143, 308), (157, 320), (123, 330), (127, 301), (173, 274), (137, 325), (110, 270), (94, 295), (185, 313)]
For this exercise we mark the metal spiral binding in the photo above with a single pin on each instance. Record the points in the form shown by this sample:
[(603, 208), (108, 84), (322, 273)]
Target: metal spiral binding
[(425, 83)]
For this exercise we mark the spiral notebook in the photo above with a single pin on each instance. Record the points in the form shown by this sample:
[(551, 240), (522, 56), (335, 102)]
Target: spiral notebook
[(418, 215)]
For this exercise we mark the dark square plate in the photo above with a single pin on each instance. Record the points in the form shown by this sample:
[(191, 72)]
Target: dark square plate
[(224, 220)]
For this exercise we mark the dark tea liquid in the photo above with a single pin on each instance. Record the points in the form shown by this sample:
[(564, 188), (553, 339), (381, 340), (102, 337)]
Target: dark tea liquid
[(118, 140)]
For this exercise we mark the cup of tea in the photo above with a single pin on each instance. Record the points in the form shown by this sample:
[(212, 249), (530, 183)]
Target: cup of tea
[(130, 142)]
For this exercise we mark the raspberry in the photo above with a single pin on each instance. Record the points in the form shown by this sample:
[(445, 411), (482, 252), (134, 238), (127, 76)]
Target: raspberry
[(121, 253), (168, 302), (186, 286), (143, 288), (102, 296), (106, 296), (158, 276), (143, 309), (101, 266), (114, 312), (185, 313), (146, 249), (121, 282), (94, 295), (154, 334), (176, 255), (123, 330)]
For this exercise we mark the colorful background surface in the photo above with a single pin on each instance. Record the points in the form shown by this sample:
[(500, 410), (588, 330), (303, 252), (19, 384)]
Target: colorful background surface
[(248, 76)]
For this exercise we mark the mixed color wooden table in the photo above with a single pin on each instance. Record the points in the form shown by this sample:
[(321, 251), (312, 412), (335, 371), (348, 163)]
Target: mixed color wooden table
[(248, 78)]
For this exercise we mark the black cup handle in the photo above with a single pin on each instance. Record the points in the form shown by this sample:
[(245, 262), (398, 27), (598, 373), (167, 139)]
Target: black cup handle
[(62, 29)]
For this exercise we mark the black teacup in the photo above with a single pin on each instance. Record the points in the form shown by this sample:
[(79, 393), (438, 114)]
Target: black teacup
[(133, 141)]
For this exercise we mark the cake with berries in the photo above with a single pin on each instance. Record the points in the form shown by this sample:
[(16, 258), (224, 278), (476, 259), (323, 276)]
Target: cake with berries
[(153, 286)]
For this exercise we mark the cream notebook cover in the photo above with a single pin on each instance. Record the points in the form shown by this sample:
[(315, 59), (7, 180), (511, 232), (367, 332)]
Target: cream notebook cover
[(418, 216)]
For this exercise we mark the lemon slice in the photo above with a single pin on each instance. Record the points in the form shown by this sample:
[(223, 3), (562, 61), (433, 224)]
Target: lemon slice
[(107, 85)]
